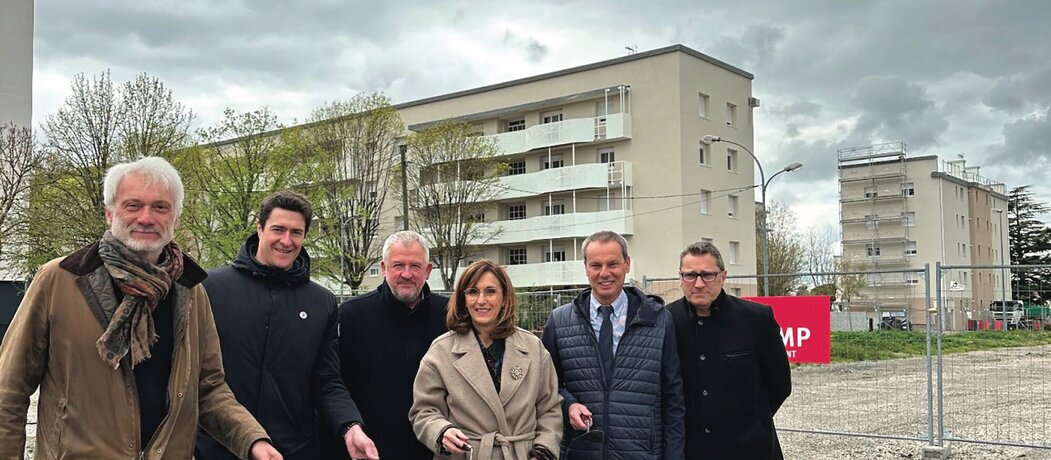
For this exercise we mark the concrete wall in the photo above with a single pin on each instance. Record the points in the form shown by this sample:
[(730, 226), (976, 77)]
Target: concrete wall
[(16, 62)]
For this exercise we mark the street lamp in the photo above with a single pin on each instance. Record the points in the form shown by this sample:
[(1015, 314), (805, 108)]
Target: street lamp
[(764, 183), (1003, 271)]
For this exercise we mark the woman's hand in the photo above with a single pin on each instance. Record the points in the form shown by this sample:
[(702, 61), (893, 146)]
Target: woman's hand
[(455, 441)]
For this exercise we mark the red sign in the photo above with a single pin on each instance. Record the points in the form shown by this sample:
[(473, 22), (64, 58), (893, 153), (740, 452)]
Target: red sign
[(806, 326)]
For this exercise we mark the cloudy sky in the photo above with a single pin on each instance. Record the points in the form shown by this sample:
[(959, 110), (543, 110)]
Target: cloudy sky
[(947, 77)]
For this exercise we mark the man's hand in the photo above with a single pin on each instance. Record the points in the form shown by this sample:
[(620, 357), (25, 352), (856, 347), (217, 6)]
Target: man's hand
[(262, 450), (455, 441), (359, 445), (578, 413)]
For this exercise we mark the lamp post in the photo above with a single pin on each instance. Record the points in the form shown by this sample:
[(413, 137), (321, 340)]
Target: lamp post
[(763, 183), (1003, 271)]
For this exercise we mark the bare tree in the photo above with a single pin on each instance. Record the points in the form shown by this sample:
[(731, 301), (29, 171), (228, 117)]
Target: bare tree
[(455, 172), (849, 286), (785, 250), (818, 257), (99, 125), (360, 136), (20, 159), (247, 156)]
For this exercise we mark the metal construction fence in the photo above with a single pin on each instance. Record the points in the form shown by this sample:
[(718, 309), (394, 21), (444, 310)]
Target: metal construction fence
[(999, 397)]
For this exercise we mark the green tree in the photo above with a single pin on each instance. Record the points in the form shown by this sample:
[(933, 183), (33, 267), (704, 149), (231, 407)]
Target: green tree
[(454, 172), (99, 125), (785, 247), (360, 136), (1030, 245), (245, 157)]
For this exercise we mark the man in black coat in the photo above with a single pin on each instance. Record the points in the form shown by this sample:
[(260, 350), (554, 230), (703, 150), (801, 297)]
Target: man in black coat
[(278, 334), (735, 370), (383, 337)]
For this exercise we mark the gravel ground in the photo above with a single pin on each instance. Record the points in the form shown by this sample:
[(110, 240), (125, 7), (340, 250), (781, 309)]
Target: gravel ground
[(1001, 395)]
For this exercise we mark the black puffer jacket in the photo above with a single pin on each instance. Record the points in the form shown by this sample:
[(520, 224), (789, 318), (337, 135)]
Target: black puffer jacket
[(277, 330), (641, 411)]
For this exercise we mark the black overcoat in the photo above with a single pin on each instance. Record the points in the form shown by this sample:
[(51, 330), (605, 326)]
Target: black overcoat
[(735, 376)]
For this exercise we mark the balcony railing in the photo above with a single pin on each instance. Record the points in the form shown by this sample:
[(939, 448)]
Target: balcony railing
[(577, 130), (577, 177), (566, 273), (574, 225)]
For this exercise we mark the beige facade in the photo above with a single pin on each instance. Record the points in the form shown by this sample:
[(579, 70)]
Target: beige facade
[(900, 213), (16, 62), (612, 145)]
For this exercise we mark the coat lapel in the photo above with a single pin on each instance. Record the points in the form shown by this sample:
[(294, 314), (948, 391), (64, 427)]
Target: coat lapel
[(470, 364), (515, 369)]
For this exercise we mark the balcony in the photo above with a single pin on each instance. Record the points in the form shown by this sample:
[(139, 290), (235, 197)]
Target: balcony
[(616, 126), (567, 273), (583, 176), (870, 198), (862, 217), (574, 225)]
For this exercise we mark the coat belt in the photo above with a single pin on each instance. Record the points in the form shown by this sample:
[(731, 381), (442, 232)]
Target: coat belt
[(491, 440)]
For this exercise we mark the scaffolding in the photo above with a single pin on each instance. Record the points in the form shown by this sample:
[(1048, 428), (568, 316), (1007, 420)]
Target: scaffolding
[(874, 220)]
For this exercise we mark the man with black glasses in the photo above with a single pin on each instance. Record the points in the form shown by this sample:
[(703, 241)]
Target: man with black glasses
[(734, 367)]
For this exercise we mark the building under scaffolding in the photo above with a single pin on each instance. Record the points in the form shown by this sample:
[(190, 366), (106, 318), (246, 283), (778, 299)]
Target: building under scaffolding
[(899, 213)]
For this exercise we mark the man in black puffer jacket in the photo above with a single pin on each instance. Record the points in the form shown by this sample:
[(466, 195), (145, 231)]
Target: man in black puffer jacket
[(617, 364), (277, 330)]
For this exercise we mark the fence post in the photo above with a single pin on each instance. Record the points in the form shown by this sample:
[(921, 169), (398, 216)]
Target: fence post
[(930, 382), (941, 330)]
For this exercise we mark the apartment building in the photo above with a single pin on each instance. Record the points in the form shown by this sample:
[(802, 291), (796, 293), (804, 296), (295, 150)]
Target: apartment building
[(901, 213), (612, 145), (16, 63)]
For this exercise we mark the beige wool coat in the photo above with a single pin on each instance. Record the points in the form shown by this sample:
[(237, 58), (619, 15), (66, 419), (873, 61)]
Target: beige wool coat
[(453, 387)]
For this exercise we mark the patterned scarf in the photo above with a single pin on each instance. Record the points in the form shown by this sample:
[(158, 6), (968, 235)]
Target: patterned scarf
[(144, 284)]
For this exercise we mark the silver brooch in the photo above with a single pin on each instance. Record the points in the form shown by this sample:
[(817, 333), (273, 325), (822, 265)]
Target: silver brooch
[(516, 372), (302, 315)]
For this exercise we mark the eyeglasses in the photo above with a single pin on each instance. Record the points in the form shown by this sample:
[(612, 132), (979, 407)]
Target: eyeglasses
[(490, 293), (691, 277)]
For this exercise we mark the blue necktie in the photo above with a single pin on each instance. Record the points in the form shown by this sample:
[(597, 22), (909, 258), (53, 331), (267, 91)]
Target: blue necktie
[(605, 341)]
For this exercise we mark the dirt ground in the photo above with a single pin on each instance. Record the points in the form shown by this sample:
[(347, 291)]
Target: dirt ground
[(994, 396)]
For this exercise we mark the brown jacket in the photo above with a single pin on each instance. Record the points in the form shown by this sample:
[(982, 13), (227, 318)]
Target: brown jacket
[(90, 410), (453, 387)]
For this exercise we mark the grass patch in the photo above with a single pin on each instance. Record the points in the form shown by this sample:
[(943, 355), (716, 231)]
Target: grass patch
[(880, 345)]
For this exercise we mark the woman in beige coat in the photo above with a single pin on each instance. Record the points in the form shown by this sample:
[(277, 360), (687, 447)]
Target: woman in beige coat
[(486, 385)]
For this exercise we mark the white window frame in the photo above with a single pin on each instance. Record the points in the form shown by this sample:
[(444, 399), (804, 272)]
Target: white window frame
[(703, 101), (733, 206), (705, 200), (871, 191), (552, 116), (516, 125), (731, 160), (731, 114), (553, 161), (735, 253), (517, 256), (554, 208), (555, 254), (515, 168), (516, 211), (607, 155), (705, 158), (908, 189), (910, 219)]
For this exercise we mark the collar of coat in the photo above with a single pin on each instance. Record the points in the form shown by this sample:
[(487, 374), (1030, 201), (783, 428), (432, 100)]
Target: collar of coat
[(642, 308), (470, 363), (87, 260)]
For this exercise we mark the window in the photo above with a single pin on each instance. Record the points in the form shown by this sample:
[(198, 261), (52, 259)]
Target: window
[(516, 256), (516, 125), (872, 250), (735, 252), (910, 248), (555, 254), (374, 271), (870, 192), (478, 217), (910, 219), (553, 116), (552, 161), (871, 223), (736, 292), (706, 240), (705, 161), (516, 211), (702, 105), (733, 205), (706, 196), (515, 168), (908, 189), (606, 155), (554, 208), (731, 160), (731, 114)]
